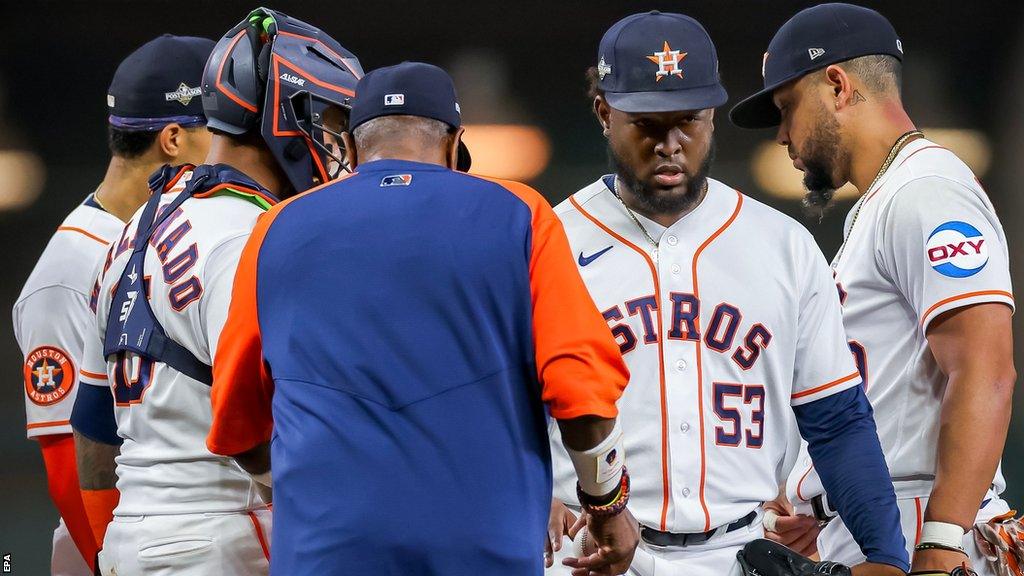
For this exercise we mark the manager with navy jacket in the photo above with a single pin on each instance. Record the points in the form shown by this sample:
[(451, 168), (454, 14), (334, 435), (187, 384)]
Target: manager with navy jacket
[(395, 343)]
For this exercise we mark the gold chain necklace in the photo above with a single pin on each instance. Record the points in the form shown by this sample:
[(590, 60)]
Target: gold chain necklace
[(632, 215), (893, 153)]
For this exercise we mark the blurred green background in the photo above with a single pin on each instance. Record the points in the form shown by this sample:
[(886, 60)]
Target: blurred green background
[(517, 66)]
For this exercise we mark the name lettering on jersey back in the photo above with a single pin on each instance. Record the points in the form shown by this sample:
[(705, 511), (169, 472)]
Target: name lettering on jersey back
[(720, 334), (164, 239)]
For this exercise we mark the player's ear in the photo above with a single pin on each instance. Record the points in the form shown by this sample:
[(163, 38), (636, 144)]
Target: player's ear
[(351, 158), (452, 153), (603, 112), (170, 140), (840, 86)]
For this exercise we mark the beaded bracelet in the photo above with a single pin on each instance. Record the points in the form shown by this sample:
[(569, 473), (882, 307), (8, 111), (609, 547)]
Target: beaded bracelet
[(616, 505), (934, 546)]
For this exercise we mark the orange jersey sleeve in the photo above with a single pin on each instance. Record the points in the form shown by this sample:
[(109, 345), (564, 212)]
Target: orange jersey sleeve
[(242, 387), (62, 480), (578, 360)]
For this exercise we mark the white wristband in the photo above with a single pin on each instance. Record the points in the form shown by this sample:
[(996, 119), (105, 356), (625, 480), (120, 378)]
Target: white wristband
[(263, 478), (943, 534), (600, 469)]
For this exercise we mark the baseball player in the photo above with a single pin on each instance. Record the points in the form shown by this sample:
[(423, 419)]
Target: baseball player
[(728, 319), (408, 412), (267, 89), (155, 118), (922, 274)]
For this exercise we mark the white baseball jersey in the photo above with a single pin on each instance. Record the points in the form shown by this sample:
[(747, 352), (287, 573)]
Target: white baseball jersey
[(734, 322), (52, 313), (163, 415), (926, 240)]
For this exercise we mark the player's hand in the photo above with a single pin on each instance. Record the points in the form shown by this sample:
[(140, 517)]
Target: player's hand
[(873, 569), (615, 538), (560, 521), (940, 560), (798, 532)]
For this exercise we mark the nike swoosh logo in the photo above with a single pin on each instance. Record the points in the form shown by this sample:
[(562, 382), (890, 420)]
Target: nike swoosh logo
[(584, 260)]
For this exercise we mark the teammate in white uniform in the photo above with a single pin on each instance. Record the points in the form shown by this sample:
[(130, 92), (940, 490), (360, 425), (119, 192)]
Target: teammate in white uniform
[(163, 297), (726, 314), (52, 312), (923, 276)]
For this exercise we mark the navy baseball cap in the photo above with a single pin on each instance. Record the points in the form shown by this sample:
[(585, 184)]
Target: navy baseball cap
[(160, 83), (659, 62), (409, 89), (811, 40)]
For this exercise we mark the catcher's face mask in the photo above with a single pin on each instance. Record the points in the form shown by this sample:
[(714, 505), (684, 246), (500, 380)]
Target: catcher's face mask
[(310, 80)]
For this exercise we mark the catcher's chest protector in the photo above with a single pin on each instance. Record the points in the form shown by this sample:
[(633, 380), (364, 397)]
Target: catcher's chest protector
[(131, 325)]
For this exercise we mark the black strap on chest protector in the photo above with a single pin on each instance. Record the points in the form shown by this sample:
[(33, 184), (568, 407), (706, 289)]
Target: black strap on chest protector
[(131, 324)]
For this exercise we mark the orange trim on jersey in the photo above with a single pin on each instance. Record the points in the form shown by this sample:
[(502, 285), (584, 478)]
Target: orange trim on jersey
[(666, 478), (826, 386), (220, 71), (700, 347), (84, 233), (920, 521), (35, 425), (92, 375), (572, 341), (259, 535), (800, 483), (909, 156), (941, 303), (872, 195)]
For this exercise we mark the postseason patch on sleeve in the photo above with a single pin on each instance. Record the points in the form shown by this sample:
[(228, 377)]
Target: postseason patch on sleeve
[(49, 375), (957, 249)]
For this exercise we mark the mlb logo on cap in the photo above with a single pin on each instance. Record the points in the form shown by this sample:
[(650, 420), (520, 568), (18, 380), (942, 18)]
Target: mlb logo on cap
[(394, 99)]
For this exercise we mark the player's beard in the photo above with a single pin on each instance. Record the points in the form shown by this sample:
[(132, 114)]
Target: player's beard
[(654, 203), (820, 155)]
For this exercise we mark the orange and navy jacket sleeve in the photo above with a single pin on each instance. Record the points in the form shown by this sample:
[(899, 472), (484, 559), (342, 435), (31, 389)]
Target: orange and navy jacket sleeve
[(242, 386), (578, 361)]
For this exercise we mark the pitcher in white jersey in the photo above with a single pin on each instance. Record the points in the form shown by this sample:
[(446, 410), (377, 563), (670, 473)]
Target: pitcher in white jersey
[(727, 317), (51, 316), (923, 277), (163, 294)]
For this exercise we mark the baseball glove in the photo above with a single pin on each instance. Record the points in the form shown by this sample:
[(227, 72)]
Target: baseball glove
[(1001, 541), (767, 558)]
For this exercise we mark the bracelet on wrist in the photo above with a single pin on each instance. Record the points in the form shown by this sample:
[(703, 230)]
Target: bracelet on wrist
[(934, 546), (596, 507)]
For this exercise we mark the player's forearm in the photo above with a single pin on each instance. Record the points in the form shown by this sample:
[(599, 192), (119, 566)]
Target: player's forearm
[(595, 447), (843, 442), (973, 427), (95, 463), (585, 432)]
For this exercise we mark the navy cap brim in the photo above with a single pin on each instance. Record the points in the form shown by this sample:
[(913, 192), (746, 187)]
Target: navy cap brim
[(711, 96), (757, 111)]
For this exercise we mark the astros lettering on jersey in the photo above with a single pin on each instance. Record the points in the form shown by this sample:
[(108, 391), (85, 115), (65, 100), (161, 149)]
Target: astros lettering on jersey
[(926, 241), (734, 322)]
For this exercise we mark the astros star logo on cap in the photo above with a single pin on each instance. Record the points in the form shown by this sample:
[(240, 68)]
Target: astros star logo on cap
[(668, 61)]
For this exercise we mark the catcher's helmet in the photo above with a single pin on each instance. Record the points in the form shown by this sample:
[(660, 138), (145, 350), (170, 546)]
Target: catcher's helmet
[(277, 74)]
